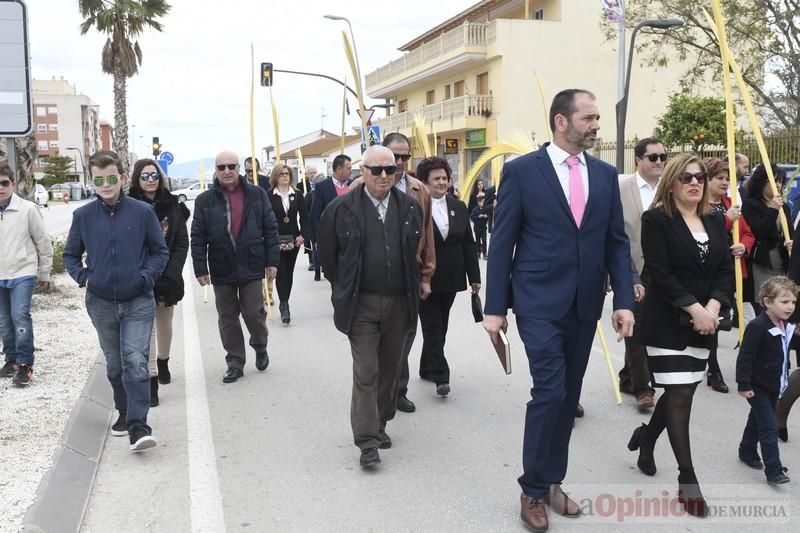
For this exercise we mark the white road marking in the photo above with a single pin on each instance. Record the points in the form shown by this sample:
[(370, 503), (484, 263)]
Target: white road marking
[(205, 497)]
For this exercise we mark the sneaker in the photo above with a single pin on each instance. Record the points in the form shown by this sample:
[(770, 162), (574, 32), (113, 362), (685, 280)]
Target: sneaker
[(8, 370), (120, 427), (780, 478), (23, 376), (141, 440)]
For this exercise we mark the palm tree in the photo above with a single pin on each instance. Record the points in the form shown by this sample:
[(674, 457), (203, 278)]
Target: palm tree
[(122, 21)]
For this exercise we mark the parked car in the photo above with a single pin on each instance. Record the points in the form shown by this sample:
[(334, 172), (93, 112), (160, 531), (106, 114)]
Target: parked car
[(189, 193), (41, 196)]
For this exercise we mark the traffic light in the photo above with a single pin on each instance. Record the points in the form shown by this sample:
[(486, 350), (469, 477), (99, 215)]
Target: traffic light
[(156, 147), (266, 74)]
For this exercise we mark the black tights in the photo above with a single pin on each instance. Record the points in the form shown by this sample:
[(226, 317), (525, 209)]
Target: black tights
[(790, 395), (672, 412)]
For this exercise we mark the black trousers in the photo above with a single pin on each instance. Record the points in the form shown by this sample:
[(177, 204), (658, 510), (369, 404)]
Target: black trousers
[(285, 277), (434, 315), (480, 238)]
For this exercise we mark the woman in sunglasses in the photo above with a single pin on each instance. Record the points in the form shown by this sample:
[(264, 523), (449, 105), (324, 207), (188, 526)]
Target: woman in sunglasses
[(290, 212), (688, 265), (149, 185), (719, 201), (770, 255)]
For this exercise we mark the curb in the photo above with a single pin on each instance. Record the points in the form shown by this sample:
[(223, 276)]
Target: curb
[(63, 494)]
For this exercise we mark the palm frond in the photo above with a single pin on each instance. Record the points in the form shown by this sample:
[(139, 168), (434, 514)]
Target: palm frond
[(516, 144), (107, 58), (275, 126), (301, 167), (351, 60), (138, 52), (420, 134)]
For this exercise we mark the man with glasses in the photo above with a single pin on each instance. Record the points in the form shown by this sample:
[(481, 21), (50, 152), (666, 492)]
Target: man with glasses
[(327, 191), (234, 245), (262, 180), (636, 193), (125, 253), (426, 252), (367, 247), (25, 264)]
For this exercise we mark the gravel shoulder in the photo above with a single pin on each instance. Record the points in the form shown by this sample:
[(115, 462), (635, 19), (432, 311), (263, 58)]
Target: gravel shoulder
[(32, 419)]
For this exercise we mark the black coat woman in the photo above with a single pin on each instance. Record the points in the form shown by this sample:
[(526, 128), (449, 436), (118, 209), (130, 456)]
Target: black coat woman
[(292, 216), (770, 256), (456, 262), (689, 270), (149, 184)]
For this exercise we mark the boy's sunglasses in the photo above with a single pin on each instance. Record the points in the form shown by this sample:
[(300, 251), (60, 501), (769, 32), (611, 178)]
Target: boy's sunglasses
[(230, 166), (111, 180), (6, 183), (150, 176), (377, 170), (687, 177)]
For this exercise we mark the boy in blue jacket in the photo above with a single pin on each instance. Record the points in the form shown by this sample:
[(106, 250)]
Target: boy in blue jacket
[(762, 373), (125, 253)]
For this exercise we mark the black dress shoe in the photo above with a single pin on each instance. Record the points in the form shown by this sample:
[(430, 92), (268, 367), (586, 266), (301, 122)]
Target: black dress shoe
[(579, 411), (783, 434), (316, 277), (286, 317), (715, 381), (262, 360), (232, 374), (640, 440), (443, 389), (369, 457), (405, 405), (386, 441), (751, 461)]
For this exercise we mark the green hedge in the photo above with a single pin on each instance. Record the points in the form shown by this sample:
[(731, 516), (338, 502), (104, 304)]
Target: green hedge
[(58, 256)]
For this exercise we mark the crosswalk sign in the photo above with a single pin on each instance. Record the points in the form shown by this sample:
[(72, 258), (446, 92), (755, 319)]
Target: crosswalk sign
[(372, 135)]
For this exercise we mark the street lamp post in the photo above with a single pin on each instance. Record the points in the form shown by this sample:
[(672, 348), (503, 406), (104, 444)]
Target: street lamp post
[(622, 105), (352, 38), (83, 166)]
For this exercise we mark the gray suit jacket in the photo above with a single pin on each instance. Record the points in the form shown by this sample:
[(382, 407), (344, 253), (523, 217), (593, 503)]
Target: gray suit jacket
[(632, 210)]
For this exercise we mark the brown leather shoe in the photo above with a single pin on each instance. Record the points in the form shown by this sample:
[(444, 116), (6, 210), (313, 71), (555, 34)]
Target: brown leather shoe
[(645, 401), (533, 513), (561, 503)]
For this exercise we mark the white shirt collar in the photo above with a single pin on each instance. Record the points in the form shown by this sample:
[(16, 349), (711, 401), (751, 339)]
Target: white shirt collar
[(561, 155), (641, 183), (375, 201)]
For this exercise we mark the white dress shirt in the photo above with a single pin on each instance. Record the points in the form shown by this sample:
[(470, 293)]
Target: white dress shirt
[(381, 205), (284, 198), (439, 214), (559, 159), (646, 192)]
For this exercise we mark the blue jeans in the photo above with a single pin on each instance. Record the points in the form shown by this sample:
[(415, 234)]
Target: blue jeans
[(124, 332), (16, 325), (762, 428)]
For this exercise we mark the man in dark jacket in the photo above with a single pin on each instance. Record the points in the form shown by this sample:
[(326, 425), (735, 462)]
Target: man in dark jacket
[(125, 254), (327, 191), (368, 243), (235, 237)]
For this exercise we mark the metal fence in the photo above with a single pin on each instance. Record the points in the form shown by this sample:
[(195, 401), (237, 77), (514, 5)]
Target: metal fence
[(781, 148)]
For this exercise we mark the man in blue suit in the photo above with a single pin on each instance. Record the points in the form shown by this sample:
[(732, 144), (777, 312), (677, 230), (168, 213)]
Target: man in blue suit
[(558, 233), (327, 191)]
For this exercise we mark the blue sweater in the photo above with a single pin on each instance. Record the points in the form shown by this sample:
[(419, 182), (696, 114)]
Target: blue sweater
[(124, 245)]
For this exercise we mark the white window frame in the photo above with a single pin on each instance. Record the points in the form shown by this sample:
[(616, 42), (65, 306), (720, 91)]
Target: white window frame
[(42, 145), (41, 111), (41, 128), (53, 127), (54, 144)]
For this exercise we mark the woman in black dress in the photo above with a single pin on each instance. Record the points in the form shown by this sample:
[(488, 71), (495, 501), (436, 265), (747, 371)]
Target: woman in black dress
[(456, 261), (149, 184), (689, 270), (290, 212)]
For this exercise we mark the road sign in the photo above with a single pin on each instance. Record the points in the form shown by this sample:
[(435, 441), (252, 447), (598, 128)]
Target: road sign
[(368, 113), (372, 135), (15, 71), (164, 164), (168, 157)]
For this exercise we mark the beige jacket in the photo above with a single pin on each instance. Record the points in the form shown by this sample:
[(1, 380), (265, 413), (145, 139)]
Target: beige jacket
[(426, 253), (25, 247), (632, 210)]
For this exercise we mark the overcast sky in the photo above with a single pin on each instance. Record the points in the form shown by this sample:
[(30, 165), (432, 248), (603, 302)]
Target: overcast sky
[(193, 88)]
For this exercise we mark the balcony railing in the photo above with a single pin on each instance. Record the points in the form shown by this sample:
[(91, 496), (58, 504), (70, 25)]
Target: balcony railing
[(467, 35), (463, 106)]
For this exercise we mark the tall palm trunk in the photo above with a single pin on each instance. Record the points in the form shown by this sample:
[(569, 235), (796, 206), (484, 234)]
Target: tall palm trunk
[(121, 115)]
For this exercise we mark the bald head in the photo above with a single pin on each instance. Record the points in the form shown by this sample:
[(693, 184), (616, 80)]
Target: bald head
[(377, 152), (228, 176)]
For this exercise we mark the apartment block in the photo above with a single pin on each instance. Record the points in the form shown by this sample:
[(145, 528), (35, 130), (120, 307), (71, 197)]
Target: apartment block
[(66, 122), (474, 76)]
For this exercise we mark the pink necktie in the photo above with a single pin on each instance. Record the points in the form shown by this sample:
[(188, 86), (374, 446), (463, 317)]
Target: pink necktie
[(577, 202)]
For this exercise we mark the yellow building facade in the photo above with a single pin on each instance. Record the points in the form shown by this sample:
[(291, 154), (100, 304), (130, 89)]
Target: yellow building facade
[(473, 77)]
